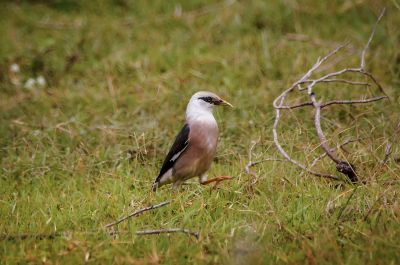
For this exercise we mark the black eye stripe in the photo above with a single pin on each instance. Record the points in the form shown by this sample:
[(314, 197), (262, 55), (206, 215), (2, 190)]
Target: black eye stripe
[(208, 99)]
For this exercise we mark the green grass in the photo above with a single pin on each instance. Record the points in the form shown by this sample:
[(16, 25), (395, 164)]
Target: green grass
[(84, 150)]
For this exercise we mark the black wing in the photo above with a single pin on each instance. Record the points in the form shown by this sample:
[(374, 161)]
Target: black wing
[(180, 144)]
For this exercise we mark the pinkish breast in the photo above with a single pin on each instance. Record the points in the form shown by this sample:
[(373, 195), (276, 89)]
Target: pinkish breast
[(198, 156)]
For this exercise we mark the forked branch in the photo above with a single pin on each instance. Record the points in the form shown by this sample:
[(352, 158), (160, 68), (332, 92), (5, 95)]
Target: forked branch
[(309, 84)]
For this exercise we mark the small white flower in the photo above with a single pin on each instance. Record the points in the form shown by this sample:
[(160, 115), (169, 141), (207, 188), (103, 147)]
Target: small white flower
[(41, 81), (14, 68), (30, 83)]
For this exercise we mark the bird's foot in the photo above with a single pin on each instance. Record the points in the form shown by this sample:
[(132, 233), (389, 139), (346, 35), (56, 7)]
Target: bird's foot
[(217, 180)]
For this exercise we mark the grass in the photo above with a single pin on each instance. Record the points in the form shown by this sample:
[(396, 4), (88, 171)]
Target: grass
[(84, 149)]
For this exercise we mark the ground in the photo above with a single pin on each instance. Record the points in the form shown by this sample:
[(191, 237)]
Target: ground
[(101, 92)]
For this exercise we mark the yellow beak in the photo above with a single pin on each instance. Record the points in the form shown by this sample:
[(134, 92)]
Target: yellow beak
[(226, 103)]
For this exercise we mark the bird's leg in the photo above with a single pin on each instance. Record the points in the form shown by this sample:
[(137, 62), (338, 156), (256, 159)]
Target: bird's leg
[(176, 185), (204, 181)]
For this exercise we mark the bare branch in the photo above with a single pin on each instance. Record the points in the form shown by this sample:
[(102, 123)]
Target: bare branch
[(168, 231), (334, 102), (251, 163), (329, 78), (306, 76), (286, 155), (362, 64), (135, 213), (337, 80), (375, 82), (320, 61), (317, 122), (296, 106), (250, 154), (357, 101), (341, 166)]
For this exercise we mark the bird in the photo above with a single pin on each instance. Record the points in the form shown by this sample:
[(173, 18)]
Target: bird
[(195, 146)]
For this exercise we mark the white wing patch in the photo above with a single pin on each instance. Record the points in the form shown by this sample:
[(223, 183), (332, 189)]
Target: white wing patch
[(166, 178), (175, 157)]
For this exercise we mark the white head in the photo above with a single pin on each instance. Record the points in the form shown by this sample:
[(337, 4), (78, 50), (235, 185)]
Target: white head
[(203, 103)]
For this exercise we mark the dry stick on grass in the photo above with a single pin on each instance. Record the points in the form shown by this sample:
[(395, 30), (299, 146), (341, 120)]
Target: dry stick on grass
[(250, 154), (251, 163), (153, 232), (342, 166), (31, 236), (168, 231), (135, 213), (54, 235)]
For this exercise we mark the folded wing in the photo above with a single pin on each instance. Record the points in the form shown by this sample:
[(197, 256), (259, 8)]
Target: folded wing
[(180, 144)]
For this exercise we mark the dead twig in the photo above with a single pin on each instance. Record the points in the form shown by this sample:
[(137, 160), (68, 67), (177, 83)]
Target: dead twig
[(338, 80), (31, 236), (153, 232), (250, 164), (345, 102), (362, 66), (168, 231), (54, 235), (334, 77), (135, 213), (286, 155)]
